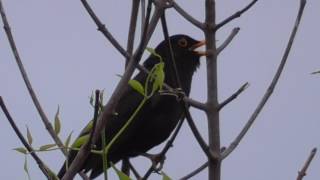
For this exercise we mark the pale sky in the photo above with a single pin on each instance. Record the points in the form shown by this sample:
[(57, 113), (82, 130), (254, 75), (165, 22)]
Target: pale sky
[(67, 58)]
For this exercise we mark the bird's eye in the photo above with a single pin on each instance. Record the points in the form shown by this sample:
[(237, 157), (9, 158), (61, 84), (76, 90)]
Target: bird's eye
[(183, 42)]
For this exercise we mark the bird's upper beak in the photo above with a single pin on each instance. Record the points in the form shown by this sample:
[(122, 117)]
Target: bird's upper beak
[(197, 45)]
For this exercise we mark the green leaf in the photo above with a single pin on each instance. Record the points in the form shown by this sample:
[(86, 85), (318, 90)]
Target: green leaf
[(136, 85), (121, 175), (88, 128), (29, 136), (165, 177), (25, 167), (80, 141), (21, 150), (46, 147), (67, 142), (158, 77), (153, 52), (57, 124)]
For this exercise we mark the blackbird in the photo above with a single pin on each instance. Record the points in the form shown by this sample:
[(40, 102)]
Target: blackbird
[(159, 115)]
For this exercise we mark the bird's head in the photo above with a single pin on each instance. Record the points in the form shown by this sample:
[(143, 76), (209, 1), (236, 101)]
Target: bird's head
[(185, 53)]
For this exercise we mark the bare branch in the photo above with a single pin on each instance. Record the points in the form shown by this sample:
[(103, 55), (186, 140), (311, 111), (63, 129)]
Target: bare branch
[(135, 172), (27, 82), (195, 172), (132, 27), (271, 87), (186, 15), (233, 96), (165, 149), (125, 167), (40, 163), (233, 33), (143, 15), (235, 15), (95, 117), (195, 103), (104, 30), (199, 169), (303, 171)]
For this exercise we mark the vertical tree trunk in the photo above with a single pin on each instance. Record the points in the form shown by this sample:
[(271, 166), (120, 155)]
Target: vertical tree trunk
[(212, 101)]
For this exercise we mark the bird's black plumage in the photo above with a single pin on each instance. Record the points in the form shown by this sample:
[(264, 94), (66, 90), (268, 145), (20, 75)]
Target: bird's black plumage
[(159, 115)]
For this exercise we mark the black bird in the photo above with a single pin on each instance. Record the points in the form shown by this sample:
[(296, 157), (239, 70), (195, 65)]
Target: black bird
[(160, 114)]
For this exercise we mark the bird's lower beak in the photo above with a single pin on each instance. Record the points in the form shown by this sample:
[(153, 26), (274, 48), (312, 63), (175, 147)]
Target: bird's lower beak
[(197, 45)]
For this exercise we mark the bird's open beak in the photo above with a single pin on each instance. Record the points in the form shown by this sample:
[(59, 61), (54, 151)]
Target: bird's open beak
[(197, 45)]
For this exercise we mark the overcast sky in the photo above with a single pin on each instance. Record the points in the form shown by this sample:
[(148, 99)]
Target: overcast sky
[(66, 59)]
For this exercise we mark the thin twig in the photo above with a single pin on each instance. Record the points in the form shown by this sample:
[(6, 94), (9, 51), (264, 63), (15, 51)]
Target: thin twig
[(197, 135), (132, 28), (235, 15), (135, 172), (95, 117), (195, 172), (125, 167), (195, 103), (27, 82), (108, 110), (169, 50), (271, 87), (102, 28), (233, 33), (40, 163), (303, 171), (143, 15), (165, 149), (233, 96), (186, 15)]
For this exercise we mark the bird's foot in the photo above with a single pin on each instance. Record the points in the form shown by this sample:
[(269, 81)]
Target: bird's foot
[(157, 161)]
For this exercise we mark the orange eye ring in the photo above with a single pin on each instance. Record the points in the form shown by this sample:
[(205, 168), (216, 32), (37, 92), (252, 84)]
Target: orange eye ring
[(183, 42)]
